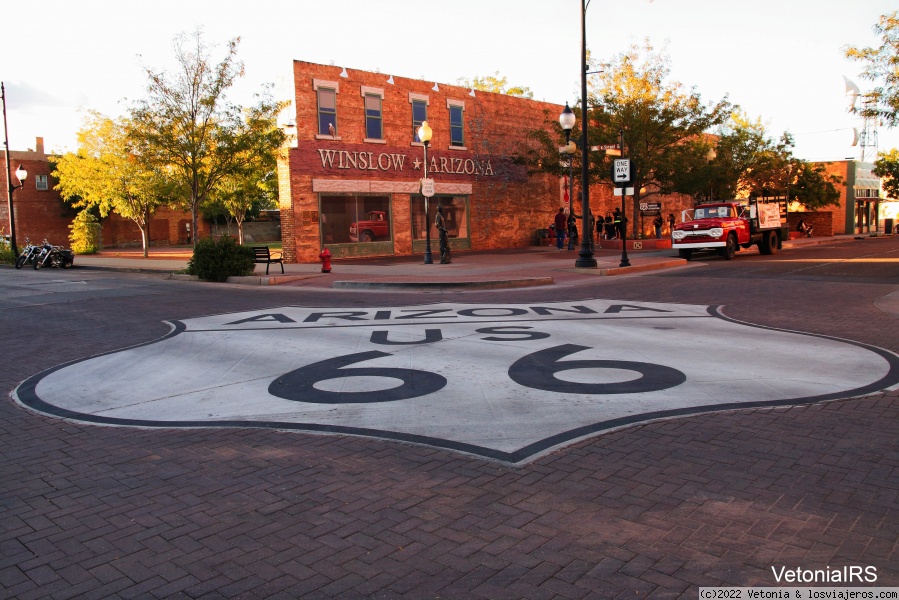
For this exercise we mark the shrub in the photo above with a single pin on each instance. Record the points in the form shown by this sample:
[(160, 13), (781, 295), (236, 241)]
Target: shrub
[(6, 255), (85, 235), (217, 260)]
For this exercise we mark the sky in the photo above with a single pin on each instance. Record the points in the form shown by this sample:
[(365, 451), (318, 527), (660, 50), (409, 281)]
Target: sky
[(781, 60)]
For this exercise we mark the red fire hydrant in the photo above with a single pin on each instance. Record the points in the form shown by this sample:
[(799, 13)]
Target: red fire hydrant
[(325, 257)]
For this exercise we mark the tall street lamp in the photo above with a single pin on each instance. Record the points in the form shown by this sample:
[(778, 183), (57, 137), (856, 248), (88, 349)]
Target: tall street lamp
[(21, 175), (567, 120), (585, 256), (710, 156), (424, 134)]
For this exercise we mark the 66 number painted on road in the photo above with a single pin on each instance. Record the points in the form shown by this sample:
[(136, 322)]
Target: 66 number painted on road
[(537, 370)]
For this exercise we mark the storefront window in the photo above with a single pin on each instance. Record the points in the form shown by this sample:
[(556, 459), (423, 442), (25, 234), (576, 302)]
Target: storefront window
[(355, 219), (455, 210)]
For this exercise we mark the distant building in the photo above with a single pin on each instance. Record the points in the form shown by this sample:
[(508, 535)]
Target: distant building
[(40, 212)]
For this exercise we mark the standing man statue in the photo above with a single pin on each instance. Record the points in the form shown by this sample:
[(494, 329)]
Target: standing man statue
[(440, 223)]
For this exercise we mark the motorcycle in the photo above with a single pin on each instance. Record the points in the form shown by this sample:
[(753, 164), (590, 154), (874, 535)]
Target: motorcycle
[(27, 255), (805, 229), (53, 256)]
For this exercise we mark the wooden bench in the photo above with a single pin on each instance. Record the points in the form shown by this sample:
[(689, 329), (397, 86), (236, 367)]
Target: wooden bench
[(264, 256)]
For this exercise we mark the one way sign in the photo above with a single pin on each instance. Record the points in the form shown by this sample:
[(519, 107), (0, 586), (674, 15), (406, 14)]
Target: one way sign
[(621, 170)]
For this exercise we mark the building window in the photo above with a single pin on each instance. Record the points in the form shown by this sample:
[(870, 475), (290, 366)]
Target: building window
[(350, 219), (327, 112), (457, 133), (41, 182), (419, 116), (455, 211), (373, 121)]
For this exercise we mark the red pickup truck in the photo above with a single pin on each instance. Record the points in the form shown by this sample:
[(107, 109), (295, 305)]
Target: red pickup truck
[(376, 227), (728, 226)]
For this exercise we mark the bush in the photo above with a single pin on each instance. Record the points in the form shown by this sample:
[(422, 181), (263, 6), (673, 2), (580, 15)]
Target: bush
[(217, 260), (85, 235), (6, 255)]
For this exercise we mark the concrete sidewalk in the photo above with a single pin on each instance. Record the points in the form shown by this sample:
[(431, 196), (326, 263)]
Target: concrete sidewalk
[(519, 267)]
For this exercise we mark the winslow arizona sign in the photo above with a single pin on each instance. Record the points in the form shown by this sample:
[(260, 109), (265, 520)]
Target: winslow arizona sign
[(503, 381)]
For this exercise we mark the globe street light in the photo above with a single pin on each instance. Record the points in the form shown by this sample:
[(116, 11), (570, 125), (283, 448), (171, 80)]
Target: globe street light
[(21, 175), (710, 156), (424, 134)]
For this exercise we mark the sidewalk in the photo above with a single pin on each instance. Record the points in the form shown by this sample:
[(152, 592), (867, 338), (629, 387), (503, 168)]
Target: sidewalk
[(519, 267)]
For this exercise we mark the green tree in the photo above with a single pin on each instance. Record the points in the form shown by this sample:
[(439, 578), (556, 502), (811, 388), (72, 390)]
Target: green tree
[(189, 127), (813, 187), (252, 184), (497, 84), (881, 65), (109, 173), (887, 168), (660, 120)]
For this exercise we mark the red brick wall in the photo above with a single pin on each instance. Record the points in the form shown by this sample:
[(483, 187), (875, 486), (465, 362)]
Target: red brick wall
[(822, 221), (41, 214), (847, 197)]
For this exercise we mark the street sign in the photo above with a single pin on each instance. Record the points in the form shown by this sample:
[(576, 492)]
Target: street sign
[(651, 208), (427, 188), (627, 191), (609, 149), (621, 170)]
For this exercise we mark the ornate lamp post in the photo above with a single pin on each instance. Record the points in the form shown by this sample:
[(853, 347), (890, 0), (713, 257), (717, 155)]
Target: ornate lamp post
[(567, 120), (21, 175), (710, 156), (424, 134)]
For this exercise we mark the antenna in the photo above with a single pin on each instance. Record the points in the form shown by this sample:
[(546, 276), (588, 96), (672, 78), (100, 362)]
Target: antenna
[(866, 139)]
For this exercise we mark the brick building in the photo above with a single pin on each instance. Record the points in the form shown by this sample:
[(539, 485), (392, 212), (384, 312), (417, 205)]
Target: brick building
[(355, 157), (40, 212)]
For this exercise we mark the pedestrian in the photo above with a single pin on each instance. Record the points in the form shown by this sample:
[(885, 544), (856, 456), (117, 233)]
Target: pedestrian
[(616, 223), (671, 222), (609, 226), (658, 222), (572, 230), (561, 224)]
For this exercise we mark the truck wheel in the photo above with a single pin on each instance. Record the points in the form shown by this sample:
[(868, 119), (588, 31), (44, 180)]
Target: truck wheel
[(773, 242), (730, 247), (365, 236), (768, 243), (685, 253)]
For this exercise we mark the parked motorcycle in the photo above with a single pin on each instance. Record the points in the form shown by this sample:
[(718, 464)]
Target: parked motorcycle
[(53, 256), (27, 255)]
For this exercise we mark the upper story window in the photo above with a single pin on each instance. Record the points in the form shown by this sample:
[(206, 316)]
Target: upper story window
[(419, 113), (41, 182), (326, 92), (374, 118), (457, 128)]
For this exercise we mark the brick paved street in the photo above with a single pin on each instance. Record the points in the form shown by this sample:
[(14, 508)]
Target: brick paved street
[(650, 511)]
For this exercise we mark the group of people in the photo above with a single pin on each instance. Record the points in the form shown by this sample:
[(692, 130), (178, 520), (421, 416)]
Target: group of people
[(610, 227)]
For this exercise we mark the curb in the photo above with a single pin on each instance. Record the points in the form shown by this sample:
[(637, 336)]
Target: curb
[(445, 285)]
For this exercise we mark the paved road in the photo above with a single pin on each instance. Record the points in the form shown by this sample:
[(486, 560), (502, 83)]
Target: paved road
[(653, 510)]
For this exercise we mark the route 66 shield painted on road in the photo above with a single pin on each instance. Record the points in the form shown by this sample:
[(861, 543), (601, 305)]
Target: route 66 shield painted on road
[(504, 381)]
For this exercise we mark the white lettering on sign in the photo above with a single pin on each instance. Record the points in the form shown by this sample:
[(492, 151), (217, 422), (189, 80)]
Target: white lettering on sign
[(369, 161), (622, 170)]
